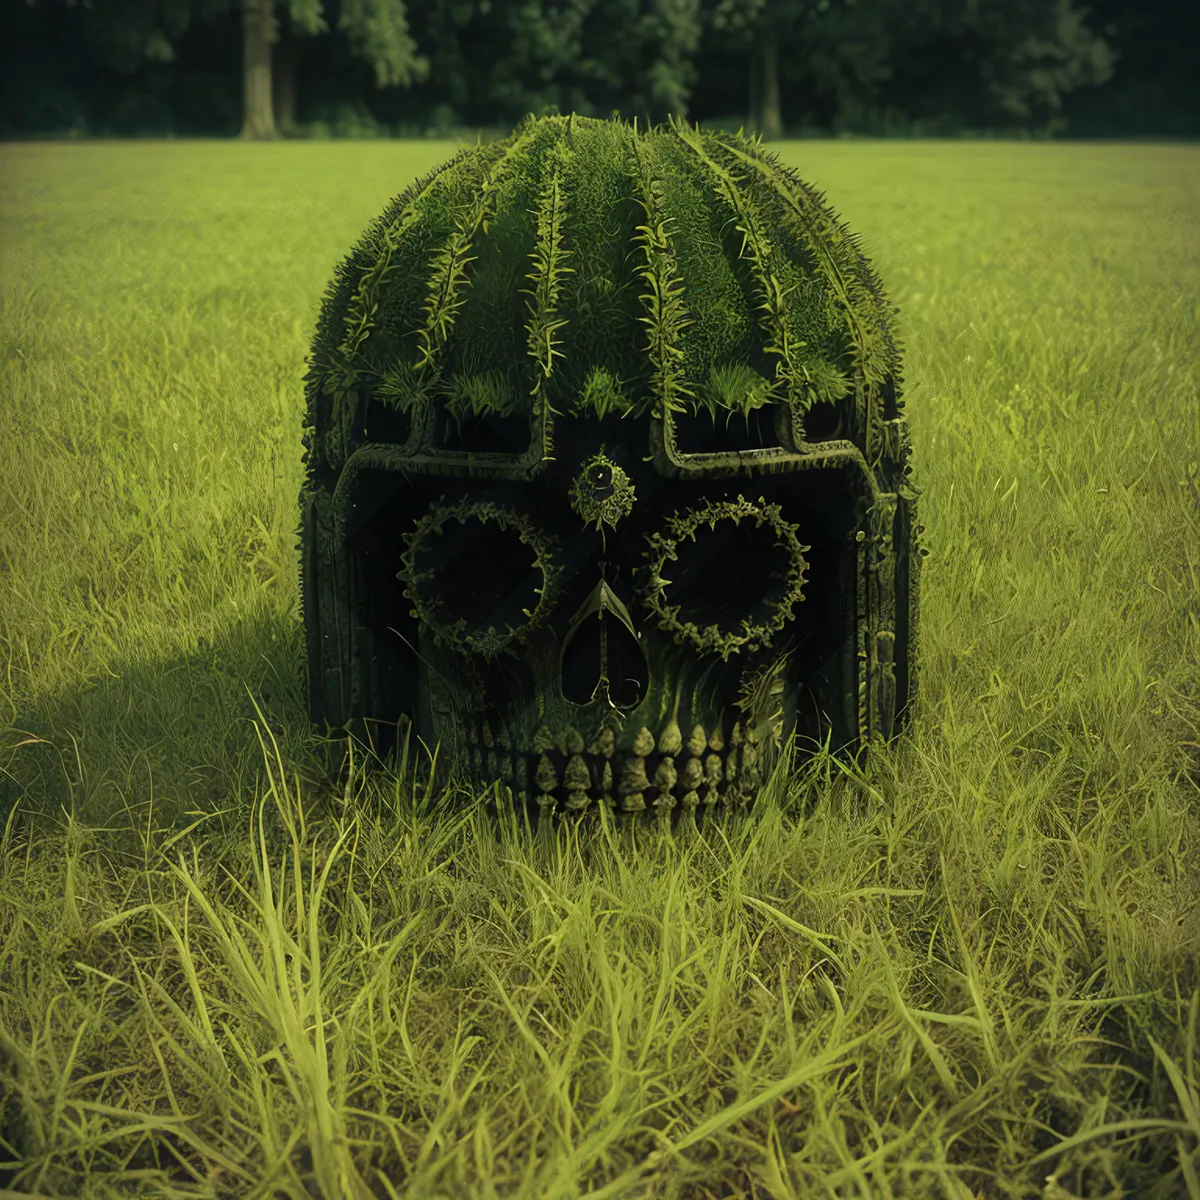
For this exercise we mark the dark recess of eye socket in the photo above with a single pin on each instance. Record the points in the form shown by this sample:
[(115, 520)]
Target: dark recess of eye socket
[(484, 575), (713, 433), (731, 571)]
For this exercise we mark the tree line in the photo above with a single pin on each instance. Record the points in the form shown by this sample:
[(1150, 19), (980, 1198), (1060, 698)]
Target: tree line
[(260, 67)]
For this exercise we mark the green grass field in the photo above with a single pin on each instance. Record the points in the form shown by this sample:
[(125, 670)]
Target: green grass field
[(972, 972)]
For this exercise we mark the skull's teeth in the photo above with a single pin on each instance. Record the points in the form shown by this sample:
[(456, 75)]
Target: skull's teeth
[(633, 783), (562, 771), (576, 779), (665, 777), (546, 776), (671, 741), (604, 744), (692, 774), (712, 777), (643, 744)]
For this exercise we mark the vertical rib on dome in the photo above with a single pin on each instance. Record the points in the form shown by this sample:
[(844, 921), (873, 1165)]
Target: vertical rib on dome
[(448, 270), (548, 269), (665, 314), (375, 255), (351, 311), (755, 239), (836, 252)]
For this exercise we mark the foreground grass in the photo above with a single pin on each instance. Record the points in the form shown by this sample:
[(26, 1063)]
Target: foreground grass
[(974, 972)]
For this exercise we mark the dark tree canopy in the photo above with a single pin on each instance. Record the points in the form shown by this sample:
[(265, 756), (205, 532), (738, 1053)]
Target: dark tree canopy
[(776, 66)]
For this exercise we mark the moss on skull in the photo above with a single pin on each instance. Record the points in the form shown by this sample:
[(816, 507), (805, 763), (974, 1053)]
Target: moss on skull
[(602, 393), (585, 267), (736, 385), (661, 268)]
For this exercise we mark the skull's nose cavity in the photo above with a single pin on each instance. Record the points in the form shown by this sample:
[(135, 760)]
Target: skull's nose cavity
[(602, 660)]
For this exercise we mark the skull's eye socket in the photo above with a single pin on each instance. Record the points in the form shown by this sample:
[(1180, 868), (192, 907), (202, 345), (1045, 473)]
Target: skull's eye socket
[(478, 576), (725, 575)]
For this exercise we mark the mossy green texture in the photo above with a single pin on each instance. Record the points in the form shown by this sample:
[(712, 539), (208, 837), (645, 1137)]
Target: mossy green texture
[(583, 264)]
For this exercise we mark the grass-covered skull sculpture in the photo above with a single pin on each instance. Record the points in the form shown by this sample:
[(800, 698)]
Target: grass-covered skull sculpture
[(607, 479)]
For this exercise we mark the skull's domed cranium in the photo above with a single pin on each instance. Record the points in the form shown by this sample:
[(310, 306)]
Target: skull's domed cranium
[(607, 482)]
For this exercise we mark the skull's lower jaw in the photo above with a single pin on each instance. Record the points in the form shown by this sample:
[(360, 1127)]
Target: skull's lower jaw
[(704, 771)]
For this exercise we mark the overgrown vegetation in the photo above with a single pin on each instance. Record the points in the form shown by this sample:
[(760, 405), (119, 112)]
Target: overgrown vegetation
[(974, 972)]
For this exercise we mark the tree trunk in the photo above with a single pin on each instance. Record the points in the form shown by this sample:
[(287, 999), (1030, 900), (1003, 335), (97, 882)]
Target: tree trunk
[(284, 65), (752, 125), (259, 29), (769, 122)]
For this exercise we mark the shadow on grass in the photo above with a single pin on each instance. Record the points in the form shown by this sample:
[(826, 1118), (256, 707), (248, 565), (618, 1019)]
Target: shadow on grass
[(164, 744), (163, 741)]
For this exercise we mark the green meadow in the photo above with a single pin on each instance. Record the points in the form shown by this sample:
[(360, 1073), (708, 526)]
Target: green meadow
[(970, 970)]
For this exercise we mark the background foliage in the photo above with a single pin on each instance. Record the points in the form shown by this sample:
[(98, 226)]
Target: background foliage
[(380, 67)]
